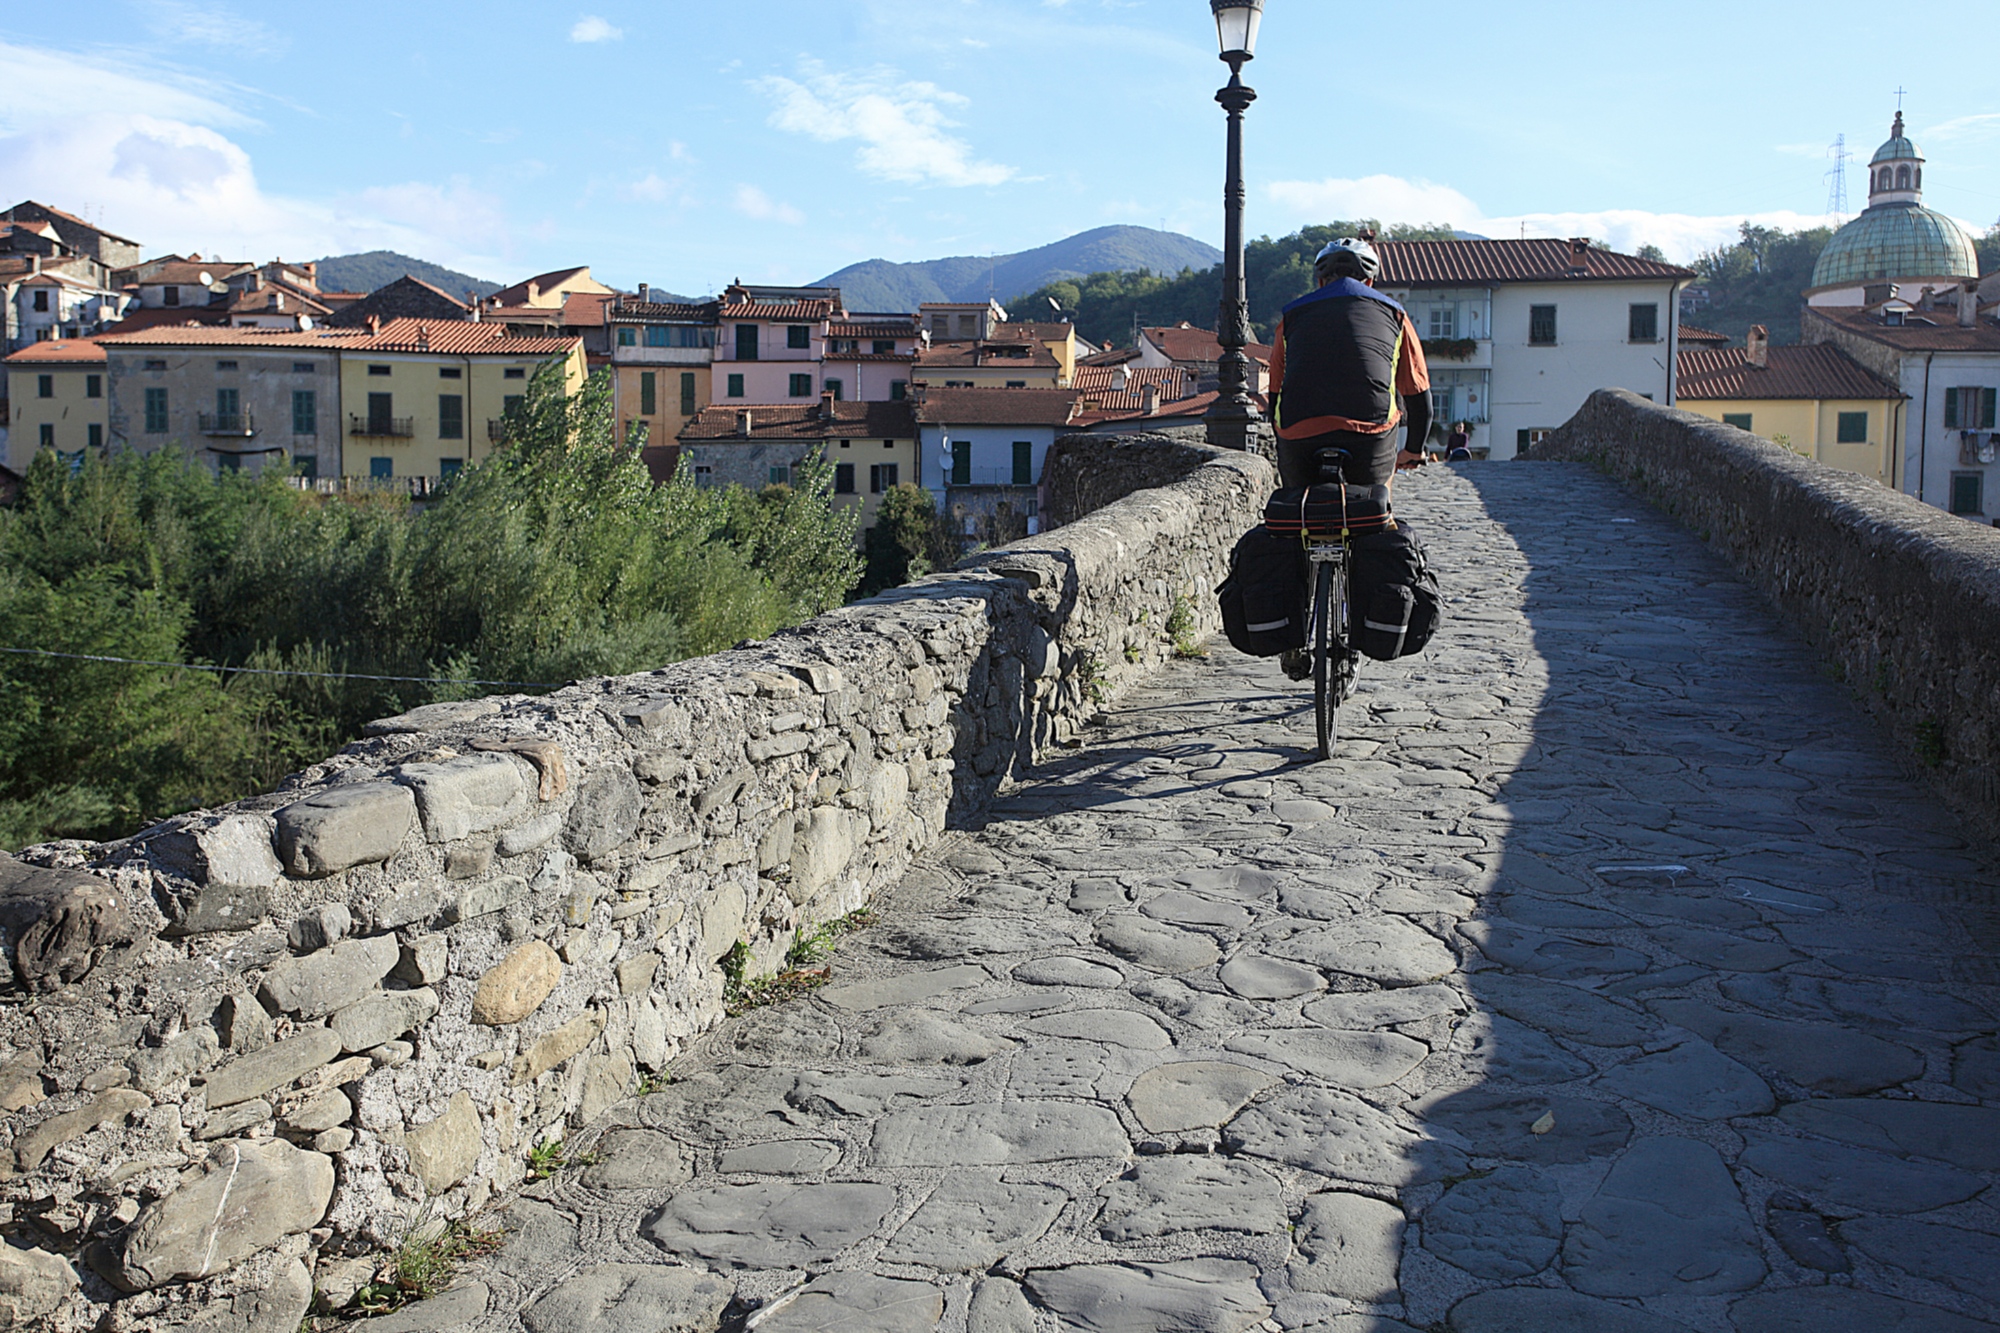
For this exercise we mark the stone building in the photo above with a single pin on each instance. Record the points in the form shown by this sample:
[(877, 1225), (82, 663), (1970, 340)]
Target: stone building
[(873, 446)]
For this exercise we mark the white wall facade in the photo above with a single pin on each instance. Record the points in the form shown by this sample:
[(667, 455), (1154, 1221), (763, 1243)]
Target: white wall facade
[(1933, 452), (1539, 387), (992, 454)]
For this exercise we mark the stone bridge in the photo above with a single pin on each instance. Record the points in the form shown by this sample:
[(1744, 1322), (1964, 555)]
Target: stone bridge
[(1620, 974)]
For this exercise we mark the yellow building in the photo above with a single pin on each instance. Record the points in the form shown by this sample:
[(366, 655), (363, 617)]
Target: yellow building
[(660, 355), (56, 392), (872, 446), (1058, 338), (1814, 400), (424, 397)]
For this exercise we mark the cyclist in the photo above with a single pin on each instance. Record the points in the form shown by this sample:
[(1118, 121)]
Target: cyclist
[(1342, 358)]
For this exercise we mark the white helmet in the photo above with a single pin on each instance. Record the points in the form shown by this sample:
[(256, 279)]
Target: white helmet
[(1348, 257)]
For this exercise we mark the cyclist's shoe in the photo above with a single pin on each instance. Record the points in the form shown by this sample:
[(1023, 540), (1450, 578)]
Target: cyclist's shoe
[(1346, 666), (1297, 663)]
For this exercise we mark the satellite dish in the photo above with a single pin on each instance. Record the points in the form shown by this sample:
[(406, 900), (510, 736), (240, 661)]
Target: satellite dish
[(305, 321), (206, 280)]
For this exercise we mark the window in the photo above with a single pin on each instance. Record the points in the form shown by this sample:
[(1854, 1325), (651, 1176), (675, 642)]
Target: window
[(802, 386), (1643, 324), (95, 434), (381, 413), (225, 365), (451, 372), (649, 396), (305, 412), (449, 468), (798, 337), (688, 408), (514, 373), (155, 363), (1444, 321), (704, 475), (303, 367), (1542, 325), (780, 476), (898, 390), (1017, 384), (1851, 428), (881, 476), (510, 404), (746, 342), (845, 443), (628, 337), (380, 468), (378, 370), (961, 462), (93, 386), (1965, 497), (41, 300), (734, 387), (228, 410), (1024, 463), (968, 326), (843, 477), (1902, 178), (1740, 420), (306, 465), (656, 335), (156, 411), (451, 416), (1968, 408), (888, 444), (45, 386), (171, 296), (837, 388), (1526, 440), (48, 436)]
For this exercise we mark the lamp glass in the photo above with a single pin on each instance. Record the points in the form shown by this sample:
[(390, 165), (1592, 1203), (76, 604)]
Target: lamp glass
[(1236, 24)]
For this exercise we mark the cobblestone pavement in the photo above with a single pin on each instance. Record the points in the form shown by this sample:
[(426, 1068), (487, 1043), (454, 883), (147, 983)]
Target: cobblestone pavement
[(1612, 979)]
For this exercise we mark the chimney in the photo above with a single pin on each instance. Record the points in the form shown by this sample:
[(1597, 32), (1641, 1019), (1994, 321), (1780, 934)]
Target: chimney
[(1927, 301), (1579, 252), (534, 292), (1759, 346), (1875, 293), (743, 422), (1968, 304), (1121, 378), (1150, 395), (374, 324), (826, 404), (645, 293), (477, 305)]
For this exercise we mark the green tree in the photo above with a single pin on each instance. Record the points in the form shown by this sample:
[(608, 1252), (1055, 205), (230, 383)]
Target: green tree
[(1760, 278), (904, 542)]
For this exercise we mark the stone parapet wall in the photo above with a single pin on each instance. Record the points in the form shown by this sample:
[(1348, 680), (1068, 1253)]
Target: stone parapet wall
[(253, 1040), (1902, 597)]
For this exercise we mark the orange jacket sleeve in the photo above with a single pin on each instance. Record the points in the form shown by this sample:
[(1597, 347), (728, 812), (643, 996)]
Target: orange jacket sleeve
[(1413, 375)]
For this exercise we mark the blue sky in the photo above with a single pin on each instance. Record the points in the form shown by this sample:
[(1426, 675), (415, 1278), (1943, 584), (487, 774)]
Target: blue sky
[(687, 144)]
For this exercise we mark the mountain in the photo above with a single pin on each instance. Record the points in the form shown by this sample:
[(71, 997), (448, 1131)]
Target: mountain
[(878, 284), (378, 268)]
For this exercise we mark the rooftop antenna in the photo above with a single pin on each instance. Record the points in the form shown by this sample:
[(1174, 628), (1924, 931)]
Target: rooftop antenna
[(1836, 176)]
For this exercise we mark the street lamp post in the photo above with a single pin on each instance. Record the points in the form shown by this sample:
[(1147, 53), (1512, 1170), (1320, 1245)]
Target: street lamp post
[(1232, 420)]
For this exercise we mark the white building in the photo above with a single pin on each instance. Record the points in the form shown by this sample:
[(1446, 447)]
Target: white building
[(1519, 333), (982, 451)]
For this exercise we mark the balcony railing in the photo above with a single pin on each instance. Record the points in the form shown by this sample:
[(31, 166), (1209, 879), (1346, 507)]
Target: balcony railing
[(400, 428), (496, 431), (227, 423)]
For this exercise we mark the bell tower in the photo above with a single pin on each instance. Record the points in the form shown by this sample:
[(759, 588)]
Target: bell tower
[(1896, 172)]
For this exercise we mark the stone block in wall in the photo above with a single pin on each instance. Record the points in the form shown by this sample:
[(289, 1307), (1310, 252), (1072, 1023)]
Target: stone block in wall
[(383, 1017), (422, 961), (553, 1048), (56, 925), (344, 826), (723, 918), (233, 851), (318, 983), (273, 1067), (243, 1024), (154, 1067), (431, 717), (820, 851), (321, 927), (107, 1108), (530, 834), (495, 895), (444, 1150), (606, 813), (251, 1196), (32, 1284), (515, 986), (470, 794)]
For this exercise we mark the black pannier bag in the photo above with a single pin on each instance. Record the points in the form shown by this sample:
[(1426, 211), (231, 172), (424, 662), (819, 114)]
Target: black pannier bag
[(1322, 511), (1264, 597), (1393, 598)]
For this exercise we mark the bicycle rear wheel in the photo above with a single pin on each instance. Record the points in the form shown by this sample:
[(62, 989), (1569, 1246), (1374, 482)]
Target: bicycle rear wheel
[(1326, 684)]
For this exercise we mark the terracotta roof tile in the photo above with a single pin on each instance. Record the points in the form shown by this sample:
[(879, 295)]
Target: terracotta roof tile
[(854, 328), (996, 407), (794, 311), (59, 351), (804, 421), (1004, 356), (1184, 342), (1933, 331), (1099, 386), (631, 310), (586, 309), (451, 337), (1818, 370), (1690, 334), (1475, 263), (73, 218)]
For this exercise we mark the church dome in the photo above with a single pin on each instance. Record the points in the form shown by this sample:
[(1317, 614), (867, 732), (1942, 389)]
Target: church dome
[(1892, 241), (1896, 237)]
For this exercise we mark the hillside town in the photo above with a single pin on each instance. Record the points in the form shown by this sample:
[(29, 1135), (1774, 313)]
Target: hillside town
[(254, 365)]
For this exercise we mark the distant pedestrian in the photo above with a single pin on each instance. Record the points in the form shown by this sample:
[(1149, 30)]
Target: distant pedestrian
[(1458, 445)]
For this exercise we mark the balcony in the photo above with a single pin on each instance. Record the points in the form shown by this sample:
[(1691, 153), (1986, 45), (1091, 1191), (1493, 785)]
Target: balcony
[(388, 428), (241, 424)]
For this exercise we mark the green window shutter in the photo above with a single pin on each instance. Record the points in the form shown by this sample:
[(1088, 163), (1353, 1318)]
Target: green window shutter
[(628, 337), (746, 342), (648, 396), (898, 390), (1951, 406), (95, 434), (381, 467), (802, 386), (45, 386), (687, 393), (1851, 428), (93, 386), (305, 412), (735, 386), (1986, 406), (961, 462), (1024, 463), (156, 411), (1740, 420), (798, 336), (451, 416)]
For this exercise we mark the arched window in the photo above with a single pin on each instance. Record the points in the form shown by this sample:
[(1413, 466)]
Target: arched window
[(1902, 178), (1920, 178), (1882, 181)]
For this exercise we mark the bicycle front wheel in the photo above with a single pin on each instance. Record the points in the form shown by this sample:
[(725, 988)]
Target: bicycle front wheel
[(1326, 697)]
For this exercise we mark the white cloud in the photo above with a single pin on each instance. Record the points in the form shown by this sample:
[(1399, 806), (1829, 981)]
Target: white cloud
[(591, 28), (752, 202), (899, 123), (40, 80), (1393, 199), (211, 25), (1965, 128)]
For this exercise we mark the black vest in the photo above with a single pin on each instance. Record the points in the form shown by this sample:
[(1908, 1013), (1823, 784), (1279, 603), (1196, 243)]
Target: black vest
[(1341, 347)]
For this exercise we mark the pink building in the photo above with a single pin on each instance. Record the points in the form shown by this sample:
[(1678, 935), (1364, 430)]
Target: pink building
[(779, 345)]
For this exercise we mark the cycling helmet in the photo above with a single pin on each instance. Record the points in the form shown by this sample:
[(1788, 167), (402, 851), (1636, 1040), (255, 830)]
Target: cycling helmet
[(1348, 257)]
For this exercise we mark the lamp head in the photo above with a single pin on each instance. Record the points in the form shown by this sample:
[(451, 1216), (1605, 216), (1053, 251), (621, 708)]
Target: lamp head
[(1236, 24)]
